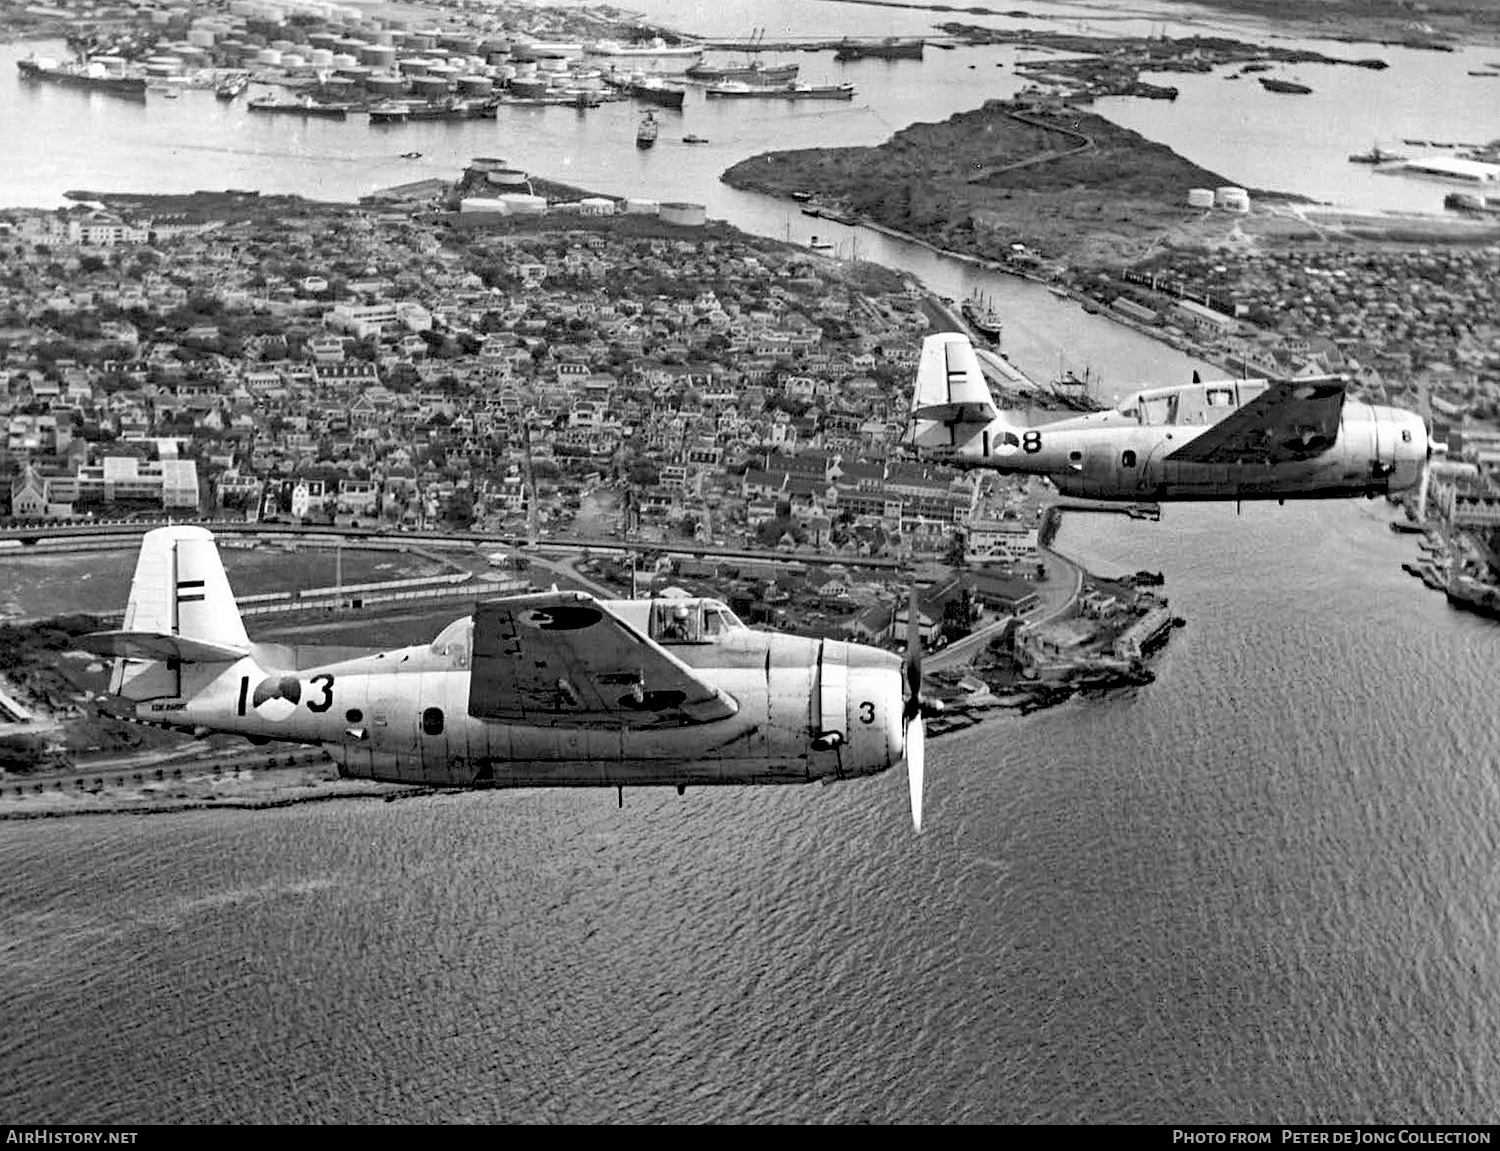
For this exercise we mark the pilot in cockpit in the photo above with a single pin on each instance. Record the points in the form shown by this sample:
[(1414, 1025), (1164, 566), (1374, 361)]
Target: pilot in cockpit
[(679, 625)]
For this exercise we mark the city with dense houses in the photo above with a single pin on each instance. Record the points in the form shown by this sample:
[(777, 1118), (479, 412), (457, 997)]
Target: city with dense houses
[(363, 365)]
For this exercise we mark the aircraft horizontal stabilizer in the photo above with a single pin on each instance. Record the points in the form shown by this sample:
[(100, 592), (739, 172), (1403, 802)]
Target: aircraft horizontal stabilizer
[(156, 646), (950, 383)]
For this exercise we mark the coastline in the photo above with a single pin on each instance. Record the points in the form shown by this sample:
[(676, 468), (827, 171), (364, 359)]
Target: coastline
[(224, 778), (1346, 21), (119, 793)]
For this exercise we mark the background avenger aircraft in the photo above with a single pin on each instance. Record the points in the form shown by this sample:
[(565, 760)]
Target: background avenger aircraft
[(554, 689), (1225, 440)]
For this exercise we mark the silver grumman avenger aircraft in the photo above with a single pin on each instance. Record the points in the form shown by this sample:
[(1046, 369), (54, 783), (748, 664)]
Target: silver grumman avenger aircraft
[(1225, 440), (554, 689)]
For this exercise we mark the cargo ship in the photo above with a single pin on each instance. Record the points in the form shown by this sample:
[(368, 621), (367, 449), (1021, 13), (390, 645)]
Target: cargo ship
[(753, 73), (655, 91), (732, 89), (89, 74), (400, 112), (652, 56), (232, 87), (1270, 84), (982, 317), (303, 107), (891, 48)]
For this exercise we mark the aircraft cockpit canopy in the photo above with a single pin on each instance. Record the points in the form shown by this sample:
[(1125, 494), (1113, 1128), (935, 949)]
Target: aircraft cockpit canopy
[(455, 642), (689, 619), (1190, 404)]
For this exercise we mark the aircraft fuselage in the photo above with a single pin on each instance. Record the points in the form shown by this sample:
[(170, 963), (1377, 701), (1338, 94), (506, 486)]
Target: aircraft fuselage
[(1126, 453), (403, 716)]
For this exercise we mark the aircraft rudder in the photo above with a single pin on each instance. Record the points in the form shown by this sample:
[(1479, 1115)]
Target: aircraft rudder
[(180, 588)]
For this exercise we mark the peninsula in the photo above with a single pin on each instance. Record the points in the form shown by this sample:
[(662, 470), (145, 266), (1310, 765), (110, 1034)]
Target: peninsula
[(1065, 182), (1408, 23)]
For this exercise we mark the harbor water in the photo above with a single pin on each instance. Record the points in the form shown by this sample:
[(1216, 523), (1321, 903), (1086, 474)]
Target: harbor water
[(1258, 889)]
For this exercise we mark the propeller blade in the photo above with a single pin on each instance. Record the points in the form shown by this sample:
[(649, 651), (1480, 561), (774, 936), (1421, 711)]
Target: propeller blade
[(1424, 396), (916, 728), (916, 766), (913, 657)]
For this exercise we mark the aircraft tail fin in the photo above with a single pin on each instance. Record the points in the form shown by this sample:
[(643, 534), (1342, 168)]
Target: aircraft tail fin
[(180, 611), (951, 405)]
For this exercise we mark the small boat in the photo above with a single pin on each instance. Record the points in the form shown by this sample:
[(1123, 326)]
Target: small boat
[(1376, 155), (818, 245), (1270, 84), (411, 155), (690, 138), (646, 131)]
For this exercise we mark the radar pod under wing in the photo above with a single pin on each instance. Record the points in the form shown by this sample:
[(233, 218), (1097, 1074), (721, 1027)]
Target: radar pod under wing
[(1291, 420), (561, 659), (950, 383)]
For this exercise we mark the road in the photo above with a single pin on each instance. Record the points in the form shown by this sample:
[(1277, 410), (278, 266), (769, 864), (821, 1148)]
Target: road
[(1057, 593)]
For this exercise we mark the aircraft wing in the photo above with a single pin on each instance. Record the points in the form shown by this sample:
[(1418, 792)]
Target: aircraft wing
[(1290, 420), (950, 384), (560, 659)]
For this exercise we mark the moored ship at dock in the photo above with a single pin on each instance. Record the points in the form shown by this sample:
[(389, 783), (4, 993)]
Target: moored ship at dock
[(752, 73), (303, 107), (891, 48), (653, 56), (231, 87), (732, 89), (654, 91), (89, 74), (982, 317), (402, 111)]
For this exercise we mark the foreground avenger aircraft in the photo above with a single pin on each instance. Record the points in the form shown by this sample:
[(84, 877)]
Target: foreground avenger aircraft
[(1225, 440), (554, 689)]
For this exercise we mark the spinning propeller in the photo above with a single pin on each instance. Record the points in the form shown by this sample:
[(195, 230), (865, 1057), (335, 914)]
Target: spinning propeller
[(915, 713), (1432, 446)]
